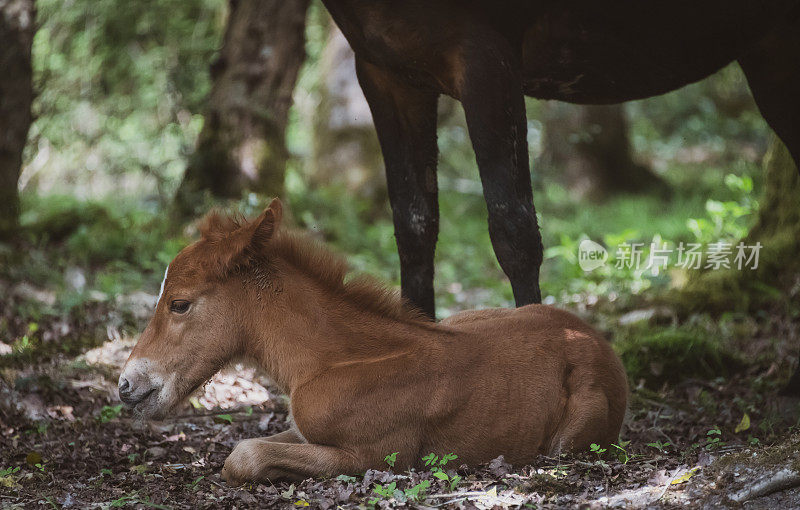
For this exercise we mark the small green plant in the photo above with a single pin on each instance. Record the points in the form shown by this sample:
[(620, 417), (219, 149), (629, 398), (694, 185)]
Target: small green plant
[(8, 471), (224, 418), (417, 493), (620, 451), (436, 464), (193, 484), (391, 459), (433, 460), (713, 440), (726, 220), (558, 472), (124, 500), (346, 478), (658, 445), (7, 479), (106, 471), (40, 428), (384, 491), (22, 345), (595, 448), (108, 413), (133, 498), (139, 469)]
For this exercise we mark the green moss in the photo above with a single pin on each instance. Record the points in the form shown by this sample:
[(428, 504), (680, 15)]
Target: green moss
[(671, 355)]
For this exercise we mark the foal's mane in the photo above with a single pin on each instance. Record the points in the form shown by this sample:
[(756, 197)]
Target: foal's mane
[(316, 261)]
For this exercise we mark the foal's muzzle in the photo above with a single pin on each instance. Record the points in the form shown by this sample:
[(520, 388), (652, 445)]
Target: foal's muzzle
[(132, 395)]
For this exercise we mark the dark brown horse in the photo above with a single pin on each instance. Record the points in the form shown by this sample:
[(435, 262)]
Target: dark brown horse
[(489, 54)]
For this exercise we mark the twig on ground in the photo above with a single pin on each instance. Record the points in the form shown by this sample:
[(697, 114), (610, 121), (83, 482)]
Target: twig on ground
[(459, 495), (666, 487), (775, 482), (655, 403), (211, 414), (449, 502)]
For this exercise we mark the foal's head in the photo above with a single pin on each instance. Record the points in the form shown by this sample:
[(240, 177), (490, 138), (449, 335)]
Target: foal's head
[(198, 322)]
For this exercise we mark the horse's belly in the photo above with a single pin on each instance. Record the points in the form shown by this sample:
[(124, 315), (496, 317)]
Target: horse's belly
[(600, 54)]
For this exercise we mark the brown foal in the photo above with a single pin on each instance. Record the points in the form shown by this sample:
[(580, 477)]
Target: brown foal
[(366, 374)]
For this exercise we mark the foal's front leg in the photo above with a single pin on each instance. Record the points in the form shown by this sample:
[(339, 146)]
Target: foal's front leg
[(494, 104), (263, 459)]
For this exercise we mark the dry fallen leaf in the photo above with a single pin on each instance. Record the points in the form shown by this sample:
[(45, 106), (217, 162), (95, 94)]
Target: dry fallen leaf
[(685, 477), (744, 424)]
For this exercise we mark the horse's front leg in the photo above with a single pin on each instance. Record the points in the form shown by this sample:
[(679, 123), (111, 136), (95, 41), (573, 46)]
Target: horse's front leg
[(405, 120), (264, 459), (494, 104)]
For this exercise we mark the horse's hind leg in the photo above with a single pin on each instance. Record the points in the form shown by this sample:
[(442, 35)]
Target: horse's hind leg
[(494, 104), (772, 69), (405, 119), (773, 72)]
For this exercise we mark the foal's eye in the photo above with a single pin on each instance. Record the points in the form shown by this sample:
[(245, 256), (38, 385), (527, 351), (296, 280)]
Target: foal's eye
[(179, 306)]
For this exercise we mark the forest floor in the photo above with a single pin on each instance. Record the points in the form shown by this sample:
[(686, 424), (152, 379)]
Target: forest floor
[(66, 442)]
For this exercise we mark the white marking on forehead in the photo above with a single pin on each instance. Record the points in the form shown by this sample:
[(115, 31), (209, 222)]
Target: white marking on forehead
[(160, 292)]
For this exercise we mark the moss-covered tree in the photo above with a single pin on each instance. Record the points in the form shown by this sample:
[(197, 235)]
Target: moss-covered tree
[(17, 19), (242, 143)]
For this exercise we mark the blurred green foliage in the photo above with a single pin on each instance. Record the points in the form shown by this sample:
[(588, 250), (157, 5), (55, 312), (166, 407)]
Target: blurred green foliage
[(716, 116), (121, 86)]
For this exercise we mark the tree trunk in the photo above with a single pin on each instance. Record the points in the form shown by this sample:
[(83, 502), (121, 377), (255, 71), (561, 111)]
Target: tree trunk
[(776, 280), (346, 149), (587, 148), (17, 25), (242, 143), (779, 210), (778, 229)]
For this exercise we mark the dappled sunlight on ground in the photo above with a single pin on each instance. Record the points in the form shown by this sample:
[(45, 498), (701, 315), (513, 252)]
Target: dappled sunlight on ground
[(235, 386)]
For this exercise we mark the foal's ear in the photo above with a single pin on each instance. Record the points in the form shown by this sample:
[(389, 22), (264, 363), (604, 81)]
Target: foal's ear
[(275, 210), (233, 244), (267, 223)]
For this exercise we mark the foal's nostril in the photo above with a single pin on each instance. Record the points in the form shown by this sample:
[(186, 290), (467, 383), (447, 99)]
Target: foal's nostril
[(126, 393), (132, 395)]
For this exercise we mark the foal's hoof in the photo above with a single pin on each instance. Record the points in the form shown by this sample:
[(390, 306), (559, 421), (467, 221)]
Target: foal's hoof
[(227, 475), (243, 464), (232, 476)]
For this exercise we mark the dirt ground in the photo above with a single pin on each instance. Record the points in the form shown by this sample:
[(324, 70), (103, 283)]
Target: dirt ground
[(66, 442), (74, 448)]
